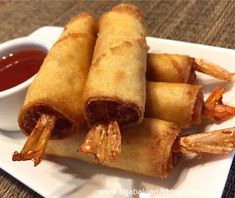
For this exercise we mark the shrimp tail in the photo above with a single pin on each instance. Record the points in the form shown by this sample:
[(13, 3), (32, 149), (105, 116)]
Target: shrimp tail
[(103, 141), (35, 145), (212, 69), (215, 109), (214, 142)]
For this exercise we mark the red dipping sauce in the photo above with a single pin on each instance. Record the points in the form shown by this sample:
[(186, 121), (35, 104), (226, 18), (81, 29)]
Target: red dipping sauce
[(18, 67)]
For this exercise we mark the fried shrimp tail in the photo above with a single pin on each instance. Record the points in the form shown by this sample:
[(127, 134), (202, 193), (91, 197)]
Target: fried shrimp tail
[(35, 145), (214, 107), (212, 69), (215, 142), (103, 141)]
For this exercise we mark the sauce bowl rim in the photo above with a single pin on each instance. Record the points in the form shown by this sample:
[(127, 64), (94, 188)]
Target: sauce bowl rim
[(15, 43)]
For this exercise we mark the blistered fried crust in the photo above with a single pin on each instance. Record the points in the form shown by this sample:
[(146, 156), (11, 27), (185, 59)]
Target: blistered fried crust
[(146, 148), (117, 74), (130, 9), (83, 23), (119, 87), (163, 137), (170, 68), (77, 18), (114, 25), (174, 102), (76, 36), (58, 87)]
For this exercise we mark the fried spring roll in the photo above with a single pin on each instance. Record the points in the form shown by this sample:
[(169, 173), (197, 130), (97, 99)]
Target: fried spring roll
[(115, 90), (176, 102), (53, 105), (146, 148), (181, 68), (183, 104), (153, 147)]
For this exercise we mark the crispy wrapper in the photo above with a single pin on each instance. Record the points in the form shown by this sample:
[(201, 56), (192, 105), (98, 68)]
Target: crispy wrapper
[(83, 23), (175, 102), (58, 87), (146, 148), (181, 68), (170, 68), (116, 83)]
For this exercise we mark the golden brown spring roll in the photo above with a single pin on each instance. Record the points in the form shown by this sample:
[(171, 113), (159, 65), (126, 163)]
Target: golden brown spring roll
[(53, 104), (146, 148), (170, 68), (183, 104), (176, 102), (116, 87), (181, 68), (153, 147)]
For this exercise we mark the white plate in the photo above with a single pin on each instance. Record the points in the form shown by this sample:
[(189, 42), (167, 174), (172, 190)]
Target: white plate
[(57, 177)]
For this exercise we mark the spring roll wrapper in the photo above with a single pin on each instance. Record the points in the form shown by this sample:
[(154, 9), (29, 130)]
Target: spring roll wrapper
[(170, 68), (83, 23), (146, 148), (175, 102), (59, 84), (116, 79)]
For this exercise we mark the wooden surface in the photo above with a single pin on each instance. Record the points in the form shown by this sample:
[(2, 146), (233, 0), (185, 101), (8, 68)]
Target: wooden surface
[(208, 22)]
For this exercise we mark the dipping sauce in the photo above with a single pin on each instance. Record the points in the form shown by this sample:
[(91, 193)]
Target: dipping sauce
[(17, 67)]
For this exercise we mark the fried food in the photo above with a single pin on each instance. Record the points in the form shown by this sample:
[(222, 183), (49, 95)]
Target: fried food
[(146, 148), (53, 105), (116, 84), (177, 68), (151, 148), (183, 104), (175, 102)]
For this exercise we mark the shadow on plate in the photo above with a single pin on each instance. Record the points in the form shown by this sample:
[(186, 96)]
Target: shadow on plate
[(209, 85), (95, 176), (12, 134)]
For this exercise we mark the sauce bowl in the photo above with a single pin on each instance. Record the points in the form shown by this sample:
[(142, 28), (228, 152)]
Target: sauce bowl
[(12, 99)]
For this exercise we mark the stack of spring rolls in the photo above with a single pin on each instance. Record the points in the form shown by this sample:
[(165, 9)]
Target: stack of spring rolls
[(108, 89), (115, 90)]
